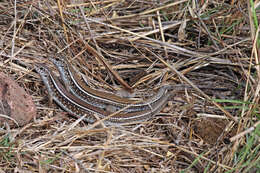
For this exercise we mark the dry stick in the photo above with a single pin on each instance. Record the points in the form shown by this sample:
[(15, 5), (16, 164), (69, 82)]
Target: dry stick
[(7, 117), (14, 34), (16, 30), (229, 46), (257, 91), (108, 66), (102, 155), (63, 21), (161, 31), (196, 88), (102, 58), (255, 99), (238, 136)]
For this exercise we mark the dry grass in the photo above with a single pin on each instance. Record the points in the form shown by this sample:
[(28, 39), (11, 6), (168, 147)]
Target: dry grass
[(207, 44)]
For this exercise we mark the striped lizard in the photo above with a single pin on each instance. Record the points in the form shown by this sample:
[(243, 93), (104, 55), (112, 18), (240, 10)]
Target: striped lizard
[(79, 108), (103, 100)]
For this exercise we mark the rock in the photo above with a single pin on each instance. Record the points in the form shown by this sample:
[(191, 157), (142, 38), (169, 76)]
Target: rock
[(15, 103)]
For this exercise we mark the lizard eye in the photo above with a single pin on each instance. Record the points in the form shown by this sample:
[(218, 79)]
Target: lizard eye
[(42, 69)]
